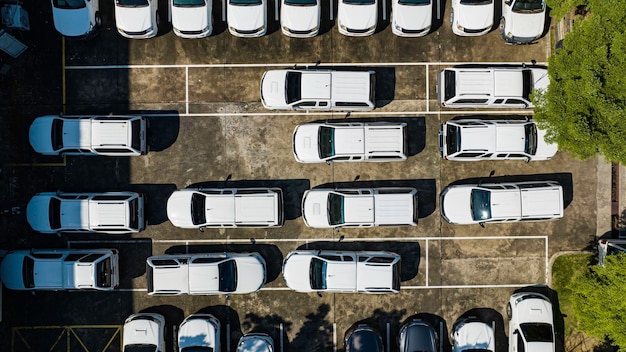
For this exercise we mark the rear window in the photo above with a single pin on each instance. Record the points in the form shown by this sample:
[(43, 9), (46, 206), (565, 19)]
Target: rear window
[(57, 134), (228, 276), (527, 83), (28, 272), (136, 134), (480, 204), (449, 84), (134, 213), (292, 89), (396, 277), (317, 274), (103, 273), (453, 139), (198, 212), (54, 213)]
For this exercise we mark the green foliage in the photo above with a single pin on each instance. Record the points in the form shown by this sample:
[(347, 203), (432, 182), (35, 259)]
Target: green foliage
[(559, 8), (599, 301), (565, 270), (584, 108)]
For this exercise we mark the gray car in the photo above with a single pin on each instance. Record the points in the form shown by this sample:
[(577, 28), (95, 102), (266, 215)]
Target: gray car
[(363, 338), (418, 335)]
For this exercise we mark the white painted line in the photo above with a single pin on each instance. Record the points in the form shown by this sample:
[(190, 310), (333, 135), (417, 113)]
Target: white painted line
[(384, 19), (187, 247), (334, 337), (276, 10), (438, 9), (332, 9), (547, 263), (427, 90), (389, 337), (186, 90), (338, 64), (228, 337), (224, 11), (441, 334), (282, 340), (426, 263)]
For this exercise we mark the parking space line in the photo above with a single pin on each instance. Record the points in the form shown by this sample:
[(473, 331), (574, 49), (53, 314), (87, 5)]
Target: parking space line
[(223, 10), (228, 337), (547, 275), (389, 337), (427, 67), (334, 337), (281, 338), (186, 90), (332, 6), (277, 2), (384, 19), (426, 254)]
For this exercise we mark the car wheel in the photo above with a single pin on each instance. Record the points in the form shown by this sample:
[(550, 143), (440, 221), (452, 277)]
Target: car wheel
[(98, 19), (509, 310)]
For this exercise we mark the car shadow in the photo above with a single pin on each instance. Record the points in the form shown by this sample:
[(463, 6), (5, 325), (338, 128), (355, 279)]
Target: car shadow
[(409, 251), (156, 195), (173, 317), (229, 323), (162, 132)]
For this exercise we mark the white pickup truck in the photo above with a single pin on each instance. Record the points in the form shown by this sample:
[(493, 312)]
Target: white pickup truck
[(350, 141)]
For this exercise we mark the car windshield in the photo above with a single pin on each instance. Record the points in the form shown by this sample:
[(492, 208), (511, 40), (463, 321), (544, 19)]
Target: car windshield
[(54, 213), (326, 142), (528, 6), (197, 349), (228, 276), (140, 348), (57, 134), (301, 2), (527, 83), (132, 3), (480, 204), (69, 4), (317, 274), (188, 3), (103, 272), (476, 2), (453, 139), (537, 332), (245, 2), (198, 209), (414, 2), (530, 130), (359, 2), (335, 209), (292, 87)]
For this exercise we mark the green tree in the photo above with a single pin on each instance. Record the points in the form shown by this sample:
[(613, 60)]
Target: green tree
[(599, 300), (584, 108)]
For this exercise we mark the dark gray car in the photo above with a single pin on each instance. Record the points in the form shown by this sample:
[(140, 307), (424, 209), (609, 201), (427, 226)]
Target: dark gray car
[(363, 338), (418, 335)]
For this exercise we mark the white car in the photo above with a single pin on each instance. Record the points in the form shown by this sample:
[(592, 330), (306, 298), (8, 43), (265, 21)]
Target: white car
[(61, 269), (300, 18), (522, 21), (76, 19), (247, 18), (411, 18), (357, 18), (137, 19), (191, 18), (472, 335), (342, 271), (350, 141), (531, 323), (362, 207), (108, 212), (144, 332), (255, 342), (472, 17), (474, 139), (199, 208), (205, 273), (502, 202), (89, 135), (199, 333), (610, 246)]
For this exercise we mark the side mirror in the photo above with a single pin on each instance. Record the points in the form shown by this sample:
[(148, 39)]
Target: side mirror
[(507, 3), (527, 160), (201, 228), (482, 224)]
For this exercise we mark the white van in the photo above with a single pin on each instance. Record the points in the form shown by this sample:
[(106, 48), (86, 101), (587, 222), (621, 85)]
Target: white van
[(490, 86), (61, 269), (318, 89)]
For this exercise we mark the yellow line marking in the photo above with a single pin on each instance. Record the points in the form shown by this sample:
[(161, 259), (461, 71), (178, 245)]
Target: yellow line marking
[(106, 347), (17, 332), (66, 331), (63, 164), (77, 339), (58, 339)]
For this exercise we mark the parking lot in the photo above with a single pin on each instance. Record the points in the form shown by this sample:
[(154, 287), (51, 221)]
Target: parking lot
[(207, 128)]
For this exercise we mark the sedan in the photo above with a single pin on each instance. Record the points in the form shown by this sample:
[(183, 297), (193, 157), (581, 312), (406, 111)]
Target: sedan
[(300, 18), (144, 332), (531, 323), (357, 18), (137, 19), (472, 335), (411, 18), (191, 18), (247, 18), (199, 333), (522, 21), (472, 17), (76, 19), (255, 342), (418, 335)]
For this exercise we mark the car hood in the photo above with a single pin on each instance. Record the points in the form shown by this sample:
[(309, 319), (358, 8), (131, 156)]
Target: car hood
[(296, 272), (36, 211), (190, 18), (250, 274), (141, 331), (40, 134), (413, 17), (358, 16), (315, 208), (456, 205), (196, 332), (526, 25), (246, 18), (11, 271), (534, 310), (71, 22), (473, 335), (541, 79), (305, 143), (544, 150), (299, 18), (133, 19), (273, 88), (475, 16), (541, 346), (179, 209)]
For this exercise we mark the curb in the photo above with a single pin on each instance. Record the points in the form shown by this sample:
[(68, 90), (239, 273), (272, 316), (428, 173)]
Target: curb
[(555, 256)]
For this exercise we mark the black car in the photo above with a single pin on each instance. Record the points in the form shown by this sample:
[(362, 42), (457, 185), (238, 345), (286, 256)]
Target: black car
[(363, 338), (418, 335)]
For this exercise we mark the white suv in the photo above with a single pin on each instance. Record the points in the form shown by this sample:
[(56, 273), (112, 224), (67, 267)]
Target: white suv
[(522, 21), (89, 135), (61, 269), (109, 212), (473, 139), (342, 271), (357, 18), (502, 202), (361, 207), (205, 273), (531, 323), (137, 19), (198, 208), (350, 141), (76, 19)]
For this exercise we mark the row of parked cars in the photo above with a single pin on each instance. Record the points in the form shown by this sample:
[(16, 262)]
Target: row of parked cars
[(531, 328), (522, 21)]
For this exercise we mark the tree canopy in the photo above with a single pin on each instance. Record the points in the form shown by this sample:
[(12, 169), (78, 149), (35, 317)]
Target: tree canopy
[(584, 108), (598, 300)]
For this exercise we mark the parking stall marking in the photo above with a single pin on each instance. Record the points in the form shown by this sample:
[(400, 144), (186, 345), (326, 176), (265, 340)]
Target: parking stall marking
[(68, 331)]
